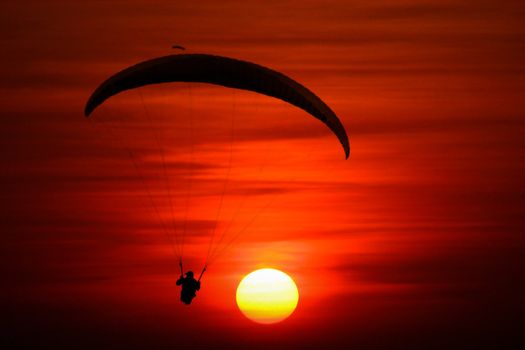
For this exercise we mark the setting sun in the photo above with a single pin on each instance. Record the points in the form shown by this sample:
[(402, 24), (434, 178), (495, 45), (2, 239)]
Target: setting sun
[(267, 296)]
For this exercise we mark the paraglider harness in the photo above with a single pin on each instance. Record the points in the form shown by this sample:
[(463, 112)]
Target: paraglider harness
[(189, 285)]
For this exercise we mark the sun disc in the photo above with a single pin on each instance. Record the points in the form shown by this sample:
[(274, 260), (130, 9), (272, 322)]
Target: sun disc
[(267, 296)]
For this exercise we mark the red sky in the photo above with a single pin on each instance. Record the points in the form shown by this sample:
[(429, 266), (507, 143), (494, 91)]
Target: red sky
[(416, 241)]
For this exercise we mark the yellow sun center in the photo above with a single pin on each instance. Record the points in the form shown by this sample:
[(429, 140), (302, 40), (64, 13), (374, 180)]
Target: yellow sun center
[(267, 296)]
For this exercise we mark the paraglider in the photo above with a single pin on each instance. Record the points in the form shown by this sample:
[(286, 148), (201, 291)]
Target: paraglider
[(222, 71), (189, 285), (179, 47)]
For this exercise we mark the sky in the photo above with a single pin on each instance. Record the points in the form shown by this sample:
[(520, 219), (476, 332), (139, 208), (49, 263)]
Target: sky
[(416, 241)]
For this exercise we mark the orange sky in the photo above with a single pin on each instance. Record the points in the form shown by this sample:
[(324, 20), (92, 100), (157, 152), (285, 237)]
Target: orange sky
[(416, 240)]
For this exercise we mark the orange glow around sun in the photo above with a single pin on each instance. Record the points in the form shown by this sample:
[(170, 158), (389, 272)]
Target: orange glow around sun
[(267, 296)]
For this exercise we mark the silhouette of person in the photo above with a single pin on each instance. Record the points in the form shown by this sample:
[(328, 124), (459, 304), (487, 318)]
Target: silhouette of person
[(190, 286)]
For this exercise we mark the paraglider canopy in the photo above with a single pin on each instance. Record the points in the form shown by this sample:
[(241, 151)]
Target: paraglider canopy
[(224, 71)]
